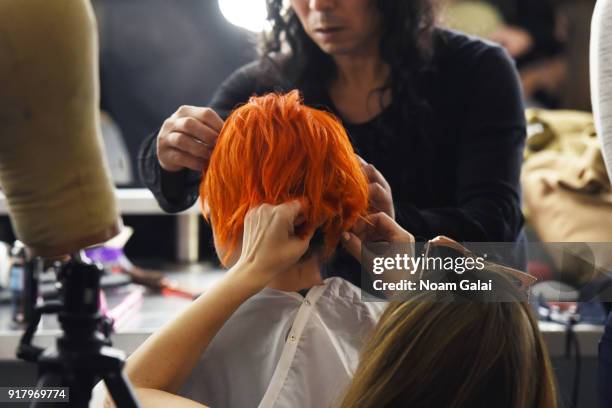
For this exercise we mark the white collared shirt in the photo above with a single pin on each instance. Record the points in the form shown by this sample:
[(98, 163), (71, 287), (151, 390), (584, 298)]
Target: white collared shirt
[(280, 349)]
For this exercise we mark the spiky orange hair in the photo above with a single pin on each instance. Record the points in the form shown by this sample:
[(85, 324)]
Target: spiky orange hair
[(273, 150)]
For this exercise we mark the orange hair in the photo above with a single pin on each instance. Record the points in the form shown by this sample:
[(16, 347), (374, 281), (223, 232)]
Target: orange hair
[(273, 150)]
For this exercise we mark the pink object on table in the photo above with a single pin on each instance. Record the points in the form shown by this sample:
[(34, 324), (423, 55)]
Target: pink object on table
[(119, 313)]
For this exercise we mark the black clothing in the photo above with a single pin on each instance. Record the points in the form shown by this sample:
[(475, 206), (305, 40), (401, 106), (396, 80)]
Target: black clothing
[(538, 18), (467, 187)]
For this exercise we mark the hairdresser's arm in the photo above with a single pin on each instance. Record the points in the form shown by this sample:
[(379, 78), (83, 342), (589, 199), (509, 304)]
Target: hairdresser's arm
[(164, 361), (489, 158), (380, 228), (171, 161)]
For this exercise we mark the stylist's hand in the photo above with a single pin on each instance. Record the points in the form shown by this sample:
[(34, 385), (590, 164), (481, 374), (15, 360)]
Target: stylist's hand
[(382, 229), (269, 243), (380, 196), (187, 138), (375, 228)]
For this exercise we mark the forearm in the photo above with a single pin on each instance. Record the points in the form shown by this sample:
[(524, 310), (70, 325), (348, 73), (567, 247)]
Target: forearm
[(150, 398), (165, 360)]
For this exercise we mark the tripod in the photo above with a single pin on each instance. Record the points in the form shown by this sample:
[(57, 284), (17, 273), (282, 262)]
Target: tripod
[(83, 355)]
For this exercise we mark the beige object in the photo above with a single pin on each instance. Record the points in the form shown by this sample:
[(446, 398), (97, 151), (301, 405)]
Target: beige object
[(52, 171), (473, 17), (565, 143), (567, 194)]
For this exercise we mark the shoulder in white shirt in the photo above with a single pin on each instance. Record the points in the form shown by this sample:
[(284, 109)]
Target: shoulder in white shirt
[(281, 349)]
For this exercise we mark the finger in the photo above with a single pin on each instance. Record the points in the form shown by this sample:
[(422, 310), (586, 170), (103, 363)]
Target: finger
[(388, 229), (361, 227), (361, 161), (198, 130), (377, 195), (372, 228), (205, 115), (299, 220), (300, 244), (189, 145), (375, 176), (290, 211), (352, 244), (183, 159)]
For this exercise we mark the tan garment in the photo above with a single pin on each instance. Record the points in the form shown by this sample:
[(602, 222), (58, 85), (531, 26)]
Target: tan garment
[(567, 194), (473, 17)]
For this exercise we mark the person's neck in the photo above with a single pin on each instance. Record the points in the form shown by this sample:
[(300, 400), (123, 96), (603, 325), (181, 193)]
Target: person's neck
[(365, 71), (302, 276), (353, 90)]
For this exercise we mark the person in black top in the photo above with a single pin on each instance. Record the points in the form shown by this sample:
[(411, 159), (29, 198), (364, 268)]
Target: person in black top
[(436, 115)]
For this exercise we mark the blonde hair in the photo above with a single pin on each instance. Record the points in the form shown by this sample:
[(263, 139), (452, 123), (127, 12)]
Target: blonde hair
[(432, 351)]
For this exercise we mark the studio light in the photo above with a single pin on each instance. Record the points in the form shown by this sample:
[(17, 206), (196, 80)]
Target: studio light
[(248, 14)]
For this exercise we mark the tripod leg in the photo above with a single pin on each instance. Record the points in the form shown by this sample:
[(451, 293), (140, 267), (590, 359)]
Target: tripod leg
[(119, 388), (49, 379)]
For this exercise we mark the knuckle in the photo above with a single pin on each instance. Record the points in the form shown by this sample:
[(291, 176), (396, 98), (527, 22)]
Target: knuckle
[(174, 139), (376, 188), (208, 113), (189, 122), (168, 124), (162, 139), (268, 209)]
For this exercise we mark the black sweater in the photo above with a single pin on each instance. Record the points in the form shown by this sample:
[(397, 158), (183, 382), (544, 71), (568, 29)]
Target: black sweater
[(466, 187)]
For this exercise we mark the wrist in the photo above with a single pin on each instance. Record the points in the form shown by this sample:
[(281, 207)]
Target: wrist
[(246, 277)]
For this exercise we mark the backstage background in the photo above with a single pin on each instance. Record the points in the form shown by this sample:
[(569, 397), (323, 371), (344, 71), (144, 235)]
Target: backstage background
[(156, 55)]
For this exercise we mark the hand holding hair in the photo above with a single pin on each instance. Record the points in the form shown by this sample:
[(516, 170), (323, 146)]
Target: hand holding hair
[(270, 244), (380, 197), (379, 227), (187, 138)]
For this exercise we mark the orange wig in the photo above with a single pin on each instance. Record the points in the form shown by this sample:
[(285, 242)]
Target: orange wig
[(273, 150)]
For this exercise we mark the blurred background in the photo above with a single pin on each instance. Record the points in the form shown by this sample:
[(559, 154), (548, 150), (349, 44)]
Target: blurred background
[(156, 55)]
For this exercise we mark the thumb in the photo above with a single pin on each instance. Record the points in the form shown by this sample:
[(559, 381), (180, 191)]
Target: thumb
[(352, 244)]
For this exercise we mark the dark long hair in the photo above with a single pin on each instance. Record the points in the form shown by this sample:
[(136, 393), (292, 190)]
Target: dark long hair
[(405, 45)]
